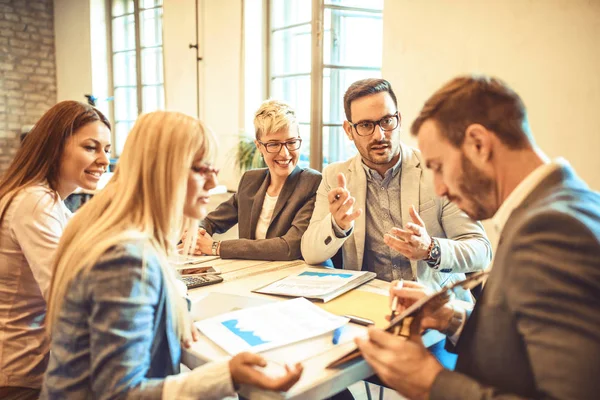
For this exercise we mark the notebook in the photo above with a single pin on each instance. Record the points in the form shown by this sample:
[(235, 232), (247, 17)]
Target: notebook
[(423, 306), (321, 284)]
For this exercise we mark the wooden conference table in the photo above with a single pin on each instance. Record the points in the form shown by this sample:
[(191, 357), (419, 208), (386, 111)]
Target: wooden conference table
[(240, 277)]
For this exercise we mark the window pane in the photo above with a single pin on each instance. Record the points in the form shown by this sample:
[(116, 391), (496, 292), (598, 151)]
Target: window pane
[(346, 41), (152, 66), (123, 33), (295, 91), (153, 98), (372, 4), (151, 27), (120, 7), (150, 3), (335, 83), (289, 12), (336, 145), (122, 129), (291, 50), (304, 159), (124, 69), (126, 104)]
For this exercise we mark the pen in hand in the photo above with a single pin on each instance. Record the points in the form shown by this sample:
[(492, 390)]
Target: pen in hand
[(395, 300)]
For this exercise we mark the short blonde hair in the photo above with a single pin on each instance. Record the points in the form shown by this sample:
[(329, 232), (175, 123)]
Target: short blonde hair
[(273, 116)]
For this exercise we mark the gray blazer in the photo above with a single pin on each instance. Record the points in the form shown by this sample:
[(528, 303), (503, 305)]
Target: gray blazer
[(292, 213), (535, 332), (464, 246)]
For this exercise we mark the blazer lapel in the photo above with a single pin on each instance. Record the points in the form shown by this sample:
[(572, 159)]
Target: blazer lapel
[(357, 185), (288, 188), (410, 179), (259, 198)]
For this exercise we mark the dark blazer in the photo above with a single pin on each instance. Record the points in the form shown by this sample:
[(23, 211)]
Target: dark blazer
[(290, 219), (535, 332)]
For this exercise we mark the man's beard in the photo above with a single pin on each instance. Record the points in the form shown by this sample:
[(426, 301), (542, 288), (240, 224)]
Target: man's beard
[(476, 189), (393, 151)]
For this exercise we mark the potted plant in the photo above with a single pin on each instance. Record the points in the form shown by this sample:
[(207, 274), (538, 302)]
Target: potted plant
[(248, 156)]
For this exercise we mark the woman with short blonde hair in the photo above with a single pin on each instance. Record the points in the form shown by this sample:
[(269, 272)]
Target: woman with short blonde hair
[(116, 317), (273, 205)]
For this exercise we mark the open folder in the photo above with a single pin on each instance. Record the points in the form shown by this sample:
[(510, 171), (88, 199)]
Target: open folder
[(409, 319), (321, 284)]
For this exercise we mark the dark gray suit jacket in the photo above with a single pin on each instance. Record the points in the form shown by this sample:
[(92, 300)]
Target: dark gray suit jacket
[(535, 333), (290, 219)]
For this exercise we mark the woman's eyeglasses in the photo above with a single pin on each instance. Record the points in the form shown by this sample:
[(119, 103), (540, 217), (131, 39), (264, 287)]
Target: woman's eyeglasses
[(275, 147), (206, 170)]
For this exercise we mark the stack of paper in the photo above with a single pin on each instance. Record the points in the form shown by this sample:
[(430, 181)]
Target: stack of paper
[(269, 326), (321, 284)]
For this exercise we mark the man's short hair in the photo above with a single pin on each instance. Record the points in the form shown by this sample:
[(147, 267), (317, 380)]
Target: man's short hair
[(484, 100), (273, 116), (366, 87)]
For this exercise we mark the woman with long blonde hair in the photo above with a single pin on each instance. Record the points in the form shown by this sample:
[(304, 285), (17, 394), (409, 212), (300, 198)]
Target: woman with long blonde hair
[(66, 149), (116, 318)]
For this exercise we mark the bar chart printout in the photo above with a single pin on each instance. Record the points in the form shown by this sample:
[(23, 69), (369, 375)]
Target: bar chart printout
[(269, 326)]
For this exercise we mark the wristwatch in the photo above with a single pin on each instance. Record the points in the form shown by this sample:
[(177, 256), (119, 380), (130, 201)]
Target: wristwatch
[(434, 254), (214, 248)]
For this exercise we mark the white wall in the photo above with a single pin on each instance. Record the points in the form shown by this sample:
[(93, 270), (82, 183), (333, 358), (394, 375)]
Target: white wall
[(220, 71), (73, 49), (221, 77), (547, 50), (179, 31)]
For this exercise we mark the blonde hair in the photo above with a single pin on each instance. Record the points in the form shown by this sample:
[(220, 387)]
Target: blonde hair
[(273, 116), (143, 201)]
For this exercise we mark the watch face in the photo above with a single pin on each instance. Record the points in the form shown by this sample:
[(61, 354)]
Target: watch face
[(435, 251)]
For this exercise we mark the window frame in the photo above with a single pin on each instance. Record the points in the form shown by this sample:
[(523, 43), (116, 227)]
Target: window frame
[(317, 23), (139, 85)]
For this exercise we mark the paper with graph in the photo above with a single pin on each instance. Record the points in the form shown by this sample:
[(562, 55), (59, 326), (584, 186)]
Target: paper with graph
[(269, 326), (321, 284)]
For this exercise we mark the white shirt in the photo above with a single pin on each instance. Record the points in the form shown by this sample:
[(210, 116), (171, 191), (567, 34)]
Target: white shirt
[(29, 235), (264, 220), (524, 189)]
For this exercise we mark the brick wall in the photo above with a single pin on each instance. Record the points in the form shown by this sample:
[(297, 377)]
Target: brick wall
[(27, 69)]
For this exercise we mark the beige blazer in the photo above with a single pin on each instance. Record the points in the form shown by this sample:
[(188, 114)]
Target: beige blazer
[(464, 246), (290, 218)]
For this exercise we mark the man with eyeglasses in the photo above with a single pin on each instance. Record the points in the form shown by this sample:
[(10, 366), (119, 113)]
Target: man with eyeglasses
[(380, 209)]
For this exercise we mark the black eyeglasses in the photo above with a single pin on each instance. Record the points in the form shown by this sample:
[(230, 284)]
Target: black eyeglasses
[(366, 128), (275, 147)]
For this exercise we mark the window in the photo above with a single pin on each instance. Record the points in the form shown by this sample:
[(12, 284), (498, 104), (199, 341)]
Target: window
[(312, 71), (137, 63)]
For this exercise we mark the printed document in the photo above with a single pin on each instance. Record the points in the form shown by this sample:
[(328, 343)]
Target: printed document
[(269, 326), (317, 283)]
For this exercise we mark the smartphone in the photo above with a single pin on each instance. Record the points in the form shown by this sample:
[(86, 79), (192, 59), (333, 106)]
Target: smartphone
[(205, 269), (359, 320)]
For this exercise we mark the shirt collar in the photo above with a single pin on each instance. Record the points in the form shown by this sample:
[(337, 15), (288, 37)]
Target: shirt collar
[(371, 173), (524, 189)]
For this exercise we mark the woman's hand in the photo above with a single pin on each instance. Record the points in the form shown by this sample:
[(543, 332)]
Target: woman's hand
[(203, 243), (243, 372), (187, 343)]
